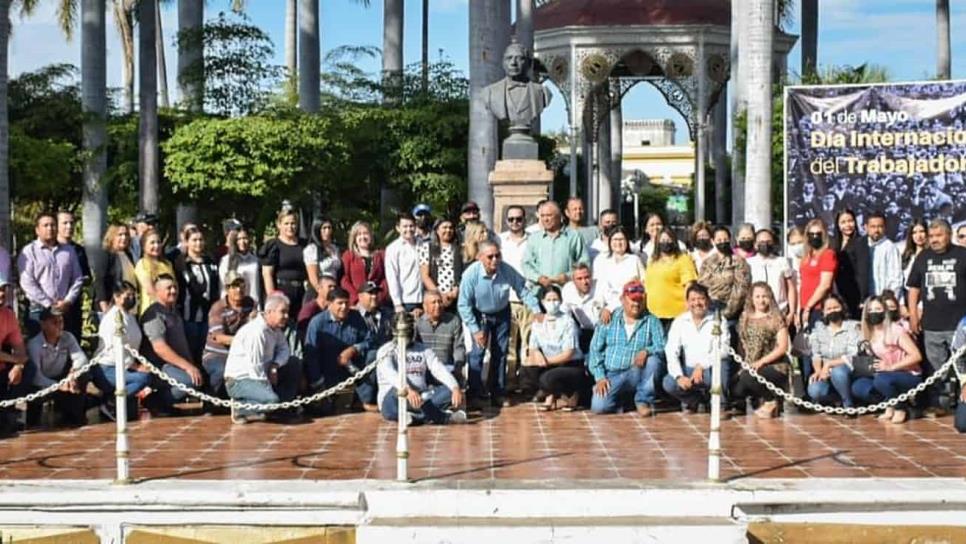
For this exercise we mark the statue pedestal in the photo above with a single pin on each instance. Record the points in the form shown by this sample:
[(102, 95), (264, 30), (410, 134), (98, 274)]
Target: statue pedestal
[(518, 182)]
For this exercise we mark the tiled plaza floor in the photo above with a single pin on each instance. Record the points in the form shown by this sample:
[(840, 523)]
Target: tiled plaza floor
[(520, 443)]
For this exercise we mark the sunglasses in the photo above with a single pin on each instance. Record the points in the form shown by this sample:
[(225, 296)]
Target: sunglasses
[(491, 257), (514, 220), (634, 291), (815, 234)]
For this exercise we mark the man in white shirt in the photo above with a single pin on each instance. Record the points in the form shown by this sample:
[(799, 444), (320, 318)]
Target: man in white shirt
[(606, 221), (579, 299), (426, 402), (885, 261), (402, 267), (769, 266), (258, 369), (689, 378), (513, 244)]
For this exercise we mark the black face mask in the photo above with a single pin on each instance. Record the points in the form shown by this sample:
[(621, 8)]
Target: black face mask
[(723, 248), (815, 242), (893, 315), (703, 244), (834, 317), (746, 245), (666, 247), (875, 318), (129, 303), (764, 248)]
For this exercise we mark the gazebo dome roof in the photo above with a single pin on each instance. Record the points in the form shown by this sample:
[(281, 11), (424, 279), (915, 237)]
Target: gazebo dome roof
[(590, 13)]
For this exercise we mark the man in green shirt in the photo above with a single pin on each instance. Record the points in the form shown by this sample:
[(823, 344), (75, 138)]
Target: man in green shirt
[(552, 253)]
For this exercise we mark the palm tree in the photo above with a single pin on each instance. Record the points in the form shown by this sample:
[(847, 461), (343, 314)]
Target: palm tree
[(191, 18), (756, 65), (291, 36), (943, 53), (392, 49), (4, 127), (809, 36), (309, 40), (424, 57), (148, 163), (489, 34), (162, 61), (94, 104), (737, 108), (124, 21)]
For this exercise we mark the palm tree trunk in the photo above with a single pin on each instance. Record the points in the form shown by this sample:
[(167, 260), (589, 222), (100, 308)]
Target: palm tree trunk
[(524, 27), (392, 50), (809, 36), (124, 21), (424, 58), (489, 33), (737, 108), (291, 37), (148, 165), (191, 19), (943, 53), (94, 105), (757, 59), (162, 63), (309, 77), (5, 238)]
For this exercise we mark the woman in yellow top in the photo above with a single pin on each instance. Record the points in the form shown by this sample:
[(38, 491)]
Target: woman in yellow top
[(151, 265), (667, 276)]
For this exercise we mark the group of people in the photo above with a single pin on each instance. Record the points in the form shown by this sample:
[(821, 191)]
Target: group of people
[(556, 312)]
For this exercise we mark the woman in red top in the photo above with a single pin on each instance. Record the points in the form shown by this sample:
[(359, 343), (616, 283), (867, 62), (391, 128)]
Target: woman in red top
[(818, 267), (363, 263)]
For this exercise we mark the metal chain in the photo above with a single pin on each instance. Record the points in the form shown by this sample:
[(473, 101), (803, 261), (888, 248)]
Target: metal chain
[(50, 389), (267, 407), (841, 410)]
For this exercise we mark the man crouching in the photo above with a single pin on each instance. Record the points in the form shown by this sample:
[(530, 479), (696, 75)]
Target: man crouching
[(426, 403)]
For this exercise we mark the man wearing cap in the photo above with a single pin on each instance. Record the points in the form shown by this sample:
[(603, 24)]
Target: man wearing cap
[(378, 318), (50, 273), (55, 353), (13, 358), (227, 315), (484, 306), (551, 254), (336, 342), (625, 356), (424, 222), (470, 212), (143, 222), (403, 277)]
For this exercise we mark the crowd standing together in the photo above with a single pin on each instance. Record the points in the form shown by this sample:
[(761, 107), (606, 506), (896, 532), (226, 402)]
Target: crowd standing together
[(557, 313)]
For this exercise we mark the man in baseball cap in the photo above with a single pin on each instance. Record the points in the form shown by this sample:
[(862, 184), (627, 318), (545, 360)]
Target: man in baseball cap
[(423, 215)]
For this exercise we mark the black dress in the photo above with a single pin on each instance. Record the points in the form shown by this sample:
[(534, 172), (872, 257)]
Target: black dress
[(288, 269), (852, 275)]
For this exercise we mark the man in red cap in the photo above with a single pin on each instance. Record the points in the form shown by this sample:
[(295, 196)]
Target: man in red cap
[(625, 356)]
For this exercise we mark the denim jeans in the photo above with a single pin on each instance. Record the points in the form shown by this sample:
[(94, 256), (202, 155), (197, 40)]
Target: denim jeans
[(258, 391), (104, 379), (960, 419), (884, 386), (196, 334), (214, 365), (839, 385), (171, 395), (697, 393), (937, 349), (432, 410), (497, 329), (624, 383)]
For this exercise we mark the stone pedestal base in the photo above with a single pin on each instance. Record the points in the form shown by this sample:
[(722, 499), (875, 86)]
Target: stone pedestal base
[(520, 182)]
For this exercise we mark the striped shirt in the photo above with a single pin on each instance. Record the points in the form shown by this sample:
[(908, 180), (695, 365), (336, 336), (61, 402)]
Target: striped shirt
[(445, 339), (613, 349)]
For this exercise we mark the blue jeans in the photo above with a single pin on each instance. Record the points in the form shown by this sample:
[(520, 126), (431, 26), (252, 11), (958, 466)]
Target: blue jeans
[(196, 334), (839, 382), (104, 379), (623, 383), (497, 328), (262, 391), (697, 393), (432, 409), (884, 386), (960, 419), (214, 365)]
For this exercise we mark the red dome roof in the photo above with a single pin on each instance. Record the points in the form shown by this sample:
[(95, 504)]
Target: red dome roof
[(562, 13)]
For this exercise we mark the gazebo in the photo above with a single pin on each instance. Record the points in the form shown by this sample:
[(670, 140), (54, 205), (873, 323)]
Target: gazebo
[(595, 51)]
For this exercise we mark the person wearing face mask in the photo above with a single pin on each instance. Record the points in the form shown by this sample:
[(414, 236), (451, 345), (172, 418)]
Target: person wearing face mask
[(726, 275), (819, 264), (795, 249), (746, 241), (136, 378), (894, 309), (701, 245), (553, 372), (770, 267), (833, 342), (897, 361), (666, 277)]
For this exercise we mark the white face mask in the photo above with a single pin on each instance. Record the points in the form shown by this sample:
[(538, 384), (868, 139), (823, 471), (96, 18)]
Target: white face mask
[(552, 306), (796, 250)]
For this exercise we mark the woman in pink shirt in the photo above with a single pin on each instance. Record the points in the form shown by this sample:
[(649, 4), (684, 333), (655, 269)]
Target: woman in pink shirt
[(896, 360)]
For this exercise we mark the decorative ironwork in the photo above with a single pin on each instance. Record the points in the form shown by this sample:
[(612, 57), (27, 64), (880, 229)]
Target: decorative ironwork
[(717, 68), (680, 65)]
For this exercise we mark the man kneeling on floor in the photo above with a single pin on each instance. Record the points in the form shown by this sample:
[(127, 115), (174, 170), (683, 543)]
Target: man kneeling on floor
[(258, 368), (426, 403)]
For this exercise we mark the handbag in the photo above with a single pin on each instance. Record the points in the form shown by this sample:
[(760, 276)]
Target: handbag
[(863, 363)]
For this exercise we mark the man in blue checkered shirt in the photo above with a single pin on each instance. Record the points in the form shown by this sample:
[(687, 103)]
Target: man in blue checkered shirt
[(625, 355)]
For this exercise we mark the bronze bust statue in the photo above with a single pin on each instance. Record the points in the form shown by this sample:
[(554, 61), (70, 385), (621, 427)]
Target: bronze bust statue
[(517, 99)]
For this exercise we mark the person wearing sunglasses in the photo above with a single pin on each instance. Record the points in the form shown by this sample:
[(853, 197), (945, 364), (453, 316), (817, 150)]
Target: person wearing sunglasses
[(484, 307), (513, 244)]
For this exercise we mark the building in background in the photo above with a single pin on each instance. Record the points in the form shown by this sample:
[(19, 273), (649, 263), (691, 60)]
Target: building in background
[(649, 147)]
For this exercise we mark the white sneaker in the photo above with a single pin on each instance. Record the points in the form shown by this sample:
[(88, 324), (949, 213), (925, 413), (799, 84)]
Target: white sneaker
[(458, 417)]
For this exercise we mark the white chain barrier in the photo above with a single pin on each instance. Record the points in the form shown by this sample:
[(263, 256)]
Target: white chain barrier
[(841, 410), (267, 407), (50, 389)]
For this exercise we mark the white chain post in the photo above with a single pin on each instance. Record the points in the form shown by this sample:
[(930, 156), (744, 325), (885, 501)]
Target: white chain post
[(714, 437), (122, 448), (403, 331)]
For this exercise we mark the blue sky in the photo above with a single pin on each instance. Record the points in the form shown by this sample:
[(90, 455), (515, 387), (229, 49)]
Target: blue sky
[(897, 34)]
